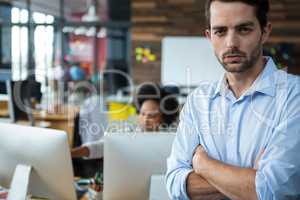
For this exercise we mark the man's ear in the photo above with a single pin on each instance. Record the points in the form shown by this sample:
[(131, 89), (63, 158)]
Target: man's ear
[(266, 32), (207, 34)]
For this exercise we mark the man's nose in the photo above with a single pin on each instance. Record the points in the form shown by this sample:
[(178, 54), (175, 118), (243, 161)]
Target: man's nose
[(232, 40)]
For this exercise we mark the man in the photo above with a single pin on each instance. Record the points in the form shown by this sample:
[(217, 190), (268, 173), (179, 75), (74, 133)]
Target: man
[(239, 138)]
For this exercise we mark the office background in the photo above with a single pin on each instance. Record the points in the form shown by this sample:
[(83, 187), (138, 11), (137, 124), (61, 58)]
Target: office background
[(58, 44)]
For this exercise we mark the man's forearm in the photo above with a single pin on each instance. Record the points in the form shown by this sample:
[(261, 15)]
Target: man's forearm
[(199, 188), (235, 182)]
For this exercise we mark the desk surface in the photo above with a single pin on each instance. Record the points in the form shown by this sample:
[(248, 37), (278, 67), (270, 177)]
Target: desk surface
[(4, 108), (62, 118), (4, 113), (59, 113)]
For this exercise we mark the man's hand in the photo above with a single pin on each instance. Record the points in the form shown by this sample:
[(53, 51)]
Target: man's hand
[(240, 185), (199, 159)]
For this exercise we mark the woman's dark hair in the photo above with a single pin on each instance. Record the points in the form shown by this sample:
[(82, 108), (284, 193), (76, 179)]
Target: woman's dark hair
[(168, 104), (262, 8)]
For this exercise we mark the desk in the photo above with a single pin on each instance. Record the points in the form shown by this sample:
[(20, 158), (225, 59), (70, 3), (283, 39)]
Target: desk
[(84, 198), (88, 196), (4, 108), (4, 117), (62, 119), (85, 189)]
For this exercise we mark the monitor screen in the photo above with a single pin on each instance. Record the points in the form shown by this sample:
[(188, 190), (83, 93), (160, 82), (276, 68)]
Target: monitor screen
[(5, 75), (3, 87)]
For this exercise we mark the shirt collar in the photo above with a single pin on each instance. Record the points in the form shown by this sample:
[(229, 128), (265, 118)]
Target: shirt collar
[(264, 82), (222, 86)]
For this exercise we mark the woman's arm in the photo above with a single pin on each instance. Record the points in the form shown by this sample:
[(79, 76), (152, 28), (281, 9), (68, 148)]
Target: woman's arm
[(79, 152)]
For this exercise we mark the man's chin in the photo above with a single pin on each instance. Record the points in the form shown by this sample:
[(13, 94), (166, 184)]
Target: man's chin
[(235, 67)]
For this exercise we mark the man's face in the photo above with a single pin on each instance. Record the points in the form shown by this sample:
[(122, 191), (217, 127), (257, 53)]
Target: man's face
[(236, 35)]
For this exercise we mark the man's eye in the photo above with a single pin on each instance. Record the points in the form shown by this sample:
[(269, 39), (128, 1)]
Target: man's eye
[(219, 32), (244, 30)]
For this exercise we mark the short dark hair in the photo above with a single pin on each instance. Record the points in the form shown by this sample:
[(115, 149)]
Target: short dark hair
[(168, 103), (262, 8), (148, 91)]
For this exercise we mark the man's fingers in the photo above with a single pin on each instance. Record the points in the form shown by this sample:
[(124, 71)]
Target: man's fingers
[(199, 148)]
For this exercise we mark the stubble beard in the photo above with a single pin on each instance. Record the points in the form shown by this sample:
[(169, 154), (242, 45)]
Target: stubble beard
[(245, 65)]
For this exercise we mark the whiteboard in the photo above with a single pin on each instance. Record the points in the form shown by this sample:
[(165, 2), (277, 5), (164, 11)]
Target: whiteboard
[(186, 61)]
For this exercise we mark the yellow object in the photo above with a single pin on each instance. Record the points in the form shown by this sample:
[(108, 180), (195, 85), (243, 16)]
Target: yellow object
[(139, 57), (147, 52), (152, 58), (120, 111), (139, 50)]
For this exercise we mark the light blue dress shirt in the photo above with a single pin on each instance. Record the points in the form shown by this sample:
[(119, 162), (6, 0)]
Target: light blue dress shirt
[(234, 131)]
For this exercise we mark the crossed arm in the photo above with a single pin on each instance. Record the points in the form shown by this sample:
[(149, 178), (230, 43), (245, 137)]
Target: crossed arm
[(213, 180), (199, 188)]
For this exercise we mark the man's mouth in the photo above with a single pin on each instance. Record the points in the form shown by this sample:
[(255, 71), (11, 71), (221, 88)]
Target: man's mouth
[(233, 58)]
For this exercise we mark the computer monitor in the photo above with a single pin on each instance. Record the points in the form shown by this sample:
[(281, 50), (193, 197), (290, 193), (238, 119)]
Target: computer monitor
[(46, 151), (5, 75), (20, 98), (131, 160), (19, 94), (3, 89)]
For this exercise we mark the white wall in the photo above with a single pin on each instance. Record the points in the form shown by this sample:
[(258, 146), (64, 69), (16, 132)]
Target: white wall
[(188, 60)]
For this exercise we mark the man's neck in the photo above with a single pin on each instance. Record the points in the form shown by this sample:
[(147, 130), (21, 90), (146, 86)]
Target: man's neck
[(240, 82)]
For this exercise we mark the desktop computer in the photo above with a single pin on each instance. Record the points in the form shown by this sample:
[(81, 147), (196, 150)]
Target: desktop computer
[(131, 161), (18, 96), (37, 158)]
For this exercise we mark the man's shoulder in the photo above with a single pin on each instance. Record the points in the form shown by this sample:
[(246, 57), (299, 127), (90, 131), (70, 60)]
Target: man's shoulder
[(289, 82), (283, 74)]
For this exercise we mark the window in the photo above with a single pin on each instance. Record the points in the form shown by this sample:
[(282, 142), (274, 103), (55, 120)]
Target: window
[(43, 44), (19, 44)]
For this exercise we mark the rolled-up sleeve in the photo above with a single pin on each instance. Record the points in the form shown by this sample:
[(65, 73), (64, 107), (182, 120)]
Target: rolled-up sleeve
[(278, 175), (179, 163), (95, 149)]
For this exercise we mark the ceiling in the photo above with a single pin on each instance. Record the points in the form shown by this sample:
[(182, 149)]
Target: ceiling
[(52, 6)]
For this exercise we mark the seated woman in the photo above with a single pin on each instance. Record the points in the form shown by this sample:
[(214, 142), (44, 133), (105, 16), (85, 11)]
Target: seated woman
[(157, 111)]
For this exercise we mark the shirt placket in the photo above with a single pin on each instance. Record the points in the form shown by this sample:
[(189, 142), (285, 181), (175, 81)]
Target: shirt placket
[(231, 143)]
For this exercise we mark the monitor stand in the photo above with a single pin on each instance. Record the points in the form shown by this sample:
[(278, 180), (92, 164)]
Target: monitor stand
[(19, 184)]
